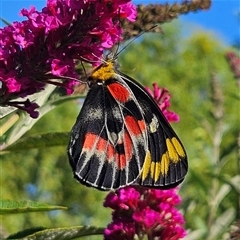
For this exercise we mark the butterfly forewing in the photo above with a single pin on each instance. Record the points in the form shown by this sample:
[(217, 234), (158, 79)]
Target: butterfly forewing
[(109, 139)]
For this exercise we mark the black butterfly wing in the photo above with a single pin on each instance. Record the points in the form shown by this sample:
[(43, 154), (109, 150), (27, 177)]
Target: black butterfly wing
[(108, 142), (166, 165)]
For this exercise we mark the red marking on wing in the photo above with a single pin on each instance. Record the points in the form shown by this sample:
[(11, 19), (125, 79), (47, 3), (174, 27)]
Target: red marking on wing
[(105, 147), (127, 155), (102, 144), (90, 139), (121, 160), (135, 127), (128, 147), (119, 92), (142, 125)]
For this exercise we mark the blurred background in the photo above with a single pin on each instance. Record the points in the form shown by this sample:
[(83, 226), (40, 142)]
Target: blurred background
[(189, 59)]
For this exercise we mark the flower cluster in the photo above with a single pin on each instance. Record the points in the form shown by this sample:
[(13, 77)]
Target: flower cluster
[(47, 45), (140, 212), (162, 98), (234, 62)]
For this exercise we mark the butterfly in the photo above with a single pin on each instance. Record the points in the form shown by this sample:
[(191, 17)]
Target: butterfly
[(121, 137)]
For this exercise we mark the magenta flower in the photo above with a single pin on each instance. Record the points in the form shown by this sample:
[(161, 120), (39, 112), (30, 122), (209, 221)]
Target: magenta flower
[(47, 45), (140, 212), (162, 98), (119, 230)]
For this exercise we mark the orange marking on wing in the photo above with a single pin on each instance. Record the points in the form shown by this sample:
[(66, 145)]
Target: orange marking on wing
[(119, 92), (135, 127)]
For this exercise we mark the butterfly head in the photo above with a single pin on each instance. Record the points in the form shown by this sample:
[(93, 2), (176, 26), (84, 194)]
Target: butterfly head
[(104, 72)]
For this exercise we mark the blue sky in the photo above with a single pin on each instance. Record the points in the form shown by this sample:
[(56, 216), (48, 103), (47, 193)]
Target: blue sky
[(221, 18)]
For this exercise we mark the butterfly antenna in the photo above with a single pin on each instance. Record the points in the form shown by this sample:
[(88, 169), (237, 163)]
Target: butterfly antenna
[(76, 79), (84, 69), (139, 35), (118, 45)]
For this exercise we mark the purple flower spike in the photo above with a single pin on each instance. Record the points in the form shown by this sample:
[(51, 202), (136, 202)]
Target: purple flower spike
[(154, 214), (47, 44)]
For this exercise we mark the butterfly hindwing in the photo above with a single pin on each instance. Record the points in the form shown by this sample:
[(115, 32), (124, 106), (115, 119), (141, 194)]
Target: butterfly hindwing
[(108, 142), (166, 165)]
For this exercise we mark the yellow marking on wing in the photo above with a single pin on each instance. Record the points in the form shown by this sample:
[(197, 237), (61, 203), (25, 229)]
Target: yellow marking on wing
[(173, 155), (146, 165), (155, 170), (178, 147), (165, 161), (152, 170), (104, 72)]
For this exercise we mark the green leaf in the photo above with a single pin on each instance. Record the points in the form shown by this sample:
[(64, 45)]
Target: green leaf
[(196, 234), (196, 176), (25, 233), (59, 233), (40, 141), (221, 194), (11, 206), (221, 224), (234, 182), (25, 122), (5, 21)]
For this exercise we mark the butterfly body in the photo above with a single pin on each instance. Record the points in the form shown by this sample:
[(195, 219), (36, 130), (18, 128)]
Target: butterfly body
[(121, 136)]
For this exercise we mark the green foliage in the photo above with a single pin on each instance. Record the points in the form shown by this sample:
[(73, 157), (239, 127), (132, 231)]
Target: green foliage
[(9, 206), (40, 141), (57, 233), (204, 94), (45, 175)]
